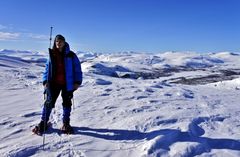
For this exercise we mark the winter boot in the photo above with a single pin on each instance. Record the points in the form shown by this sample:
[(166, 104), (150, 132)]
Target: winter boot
[(40, 128), (66, 128)]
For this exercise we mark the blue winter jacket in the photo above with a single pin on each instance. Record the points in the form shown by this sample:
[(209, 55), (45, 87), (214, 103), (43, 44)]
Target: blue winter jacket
[(73, 71)]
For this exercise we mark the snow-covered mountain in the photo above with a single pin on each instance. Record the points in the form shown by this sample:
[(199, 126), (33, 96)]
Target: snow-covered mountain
[(130, 104)]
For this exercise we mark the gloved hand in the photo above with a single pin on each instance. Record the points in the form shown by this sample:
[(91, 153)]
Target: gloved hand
[(70, 94), (76, 86), (45, 86)]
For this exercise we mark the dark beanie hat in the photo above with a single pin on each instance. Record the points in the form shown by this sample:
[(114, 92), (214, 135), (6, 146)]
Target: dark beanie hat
[(60, 37)]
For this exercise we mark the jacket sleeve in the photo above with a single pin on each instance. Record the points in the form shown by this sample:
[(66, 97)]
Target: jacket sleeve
[(77, 70), (45, 73)]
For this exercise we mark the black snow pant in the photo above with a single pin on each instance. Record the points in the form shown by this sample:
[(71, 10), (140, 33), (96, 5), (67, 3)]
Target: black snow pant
[(55, 90)]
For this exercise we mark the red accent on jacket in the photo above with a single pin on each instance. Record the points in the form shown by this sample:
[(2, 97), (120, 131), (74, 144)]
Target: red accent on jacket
[(60, 68)]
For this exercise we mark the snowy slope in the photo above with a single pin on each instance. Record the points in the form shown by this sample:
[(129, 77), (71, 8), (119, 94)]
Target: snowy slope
[(130, 104)]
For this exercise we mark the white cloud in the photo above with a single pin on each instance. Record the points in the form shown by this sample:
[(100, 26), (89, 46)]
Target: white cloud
[(9, 36), (6, 35), (38, 36), (2, 27)]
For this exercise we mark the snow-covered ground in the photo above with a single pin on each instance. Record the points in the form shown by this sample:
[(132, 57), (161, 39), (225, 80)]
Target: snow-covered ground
[(129, 105)]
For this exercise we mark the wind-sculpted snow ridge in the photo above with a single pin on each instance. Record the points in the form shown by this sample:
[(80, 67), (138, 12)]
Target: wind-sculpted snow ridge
[(198, 145), (131, 104)]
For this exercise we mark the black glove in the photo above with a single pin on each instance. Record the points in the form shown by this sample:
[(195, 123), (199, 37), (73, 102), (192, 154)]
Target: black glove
[(70, 94)]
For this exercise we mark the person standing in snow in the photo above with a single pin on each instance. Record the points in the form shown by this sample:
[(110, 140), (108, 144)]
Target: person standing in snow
[(63, 75)]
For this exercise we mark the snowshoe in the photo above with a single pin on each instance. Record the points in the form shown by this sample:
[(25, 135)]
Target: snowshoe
[(39, 129), (66, 128)]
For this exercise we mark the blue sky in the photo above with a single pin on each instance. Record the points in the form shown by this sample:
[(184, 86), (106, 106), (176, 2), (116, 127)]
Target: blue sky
[(122, 25)]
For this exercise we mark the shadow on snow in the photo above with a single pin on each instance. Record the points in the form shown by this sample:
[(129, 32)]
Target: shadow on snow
[(169, 137)]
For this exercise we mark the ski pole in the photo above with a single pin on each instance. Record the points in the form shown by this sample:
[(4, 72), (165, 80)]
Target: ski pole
[(50, 37), (46, 96), (45, 112), (44, 123)]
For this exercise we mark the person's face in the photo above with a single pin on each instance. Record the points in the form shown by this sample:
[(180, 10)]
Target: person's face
[(59, 44)]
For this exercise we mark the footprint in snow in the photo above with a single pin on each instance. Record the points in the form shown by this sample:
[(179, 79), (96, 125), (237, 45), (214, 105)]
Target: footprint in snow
[(196, 130), (29, 151), (5, 122), (141, 97), (141, 109), (102, 82), (104, 94), (149, 90), (108, 90), (31, 114), (188, 94)]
